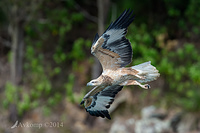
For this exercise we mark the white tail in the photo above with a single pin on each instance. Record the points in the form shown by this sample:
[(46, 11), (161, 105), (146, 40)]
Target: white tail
[(147, 71)]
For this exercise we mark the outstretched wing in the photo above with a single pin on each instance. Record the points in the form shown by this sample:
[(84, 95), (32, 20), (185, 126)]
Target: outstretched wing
[(99, 99), (112, 49)]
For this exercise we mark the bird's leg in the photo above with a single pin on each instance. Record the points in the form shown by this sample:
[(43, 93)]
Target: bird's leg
[(134, 82), (145, 86), (140, 77)]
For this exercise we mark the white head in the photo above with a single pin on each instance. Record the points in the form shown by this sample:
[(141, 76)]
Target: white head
[(94, 82)]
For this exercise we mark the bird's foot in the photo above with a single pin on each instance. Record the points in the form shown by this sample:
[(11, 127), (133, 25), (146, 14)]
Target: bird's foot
[(145, 86)]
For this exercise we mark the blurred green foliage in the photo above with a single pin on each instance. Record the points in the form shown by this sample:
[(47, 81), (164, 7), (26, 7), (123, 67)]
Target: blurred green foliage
[(178, 64), (42, 34), (179, 68), (69, 88), (10, 94), (53, 54)]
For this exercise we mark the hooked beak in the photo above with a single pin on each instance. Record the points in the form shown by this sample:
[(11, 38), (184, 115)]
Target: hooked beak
[(89, 84)]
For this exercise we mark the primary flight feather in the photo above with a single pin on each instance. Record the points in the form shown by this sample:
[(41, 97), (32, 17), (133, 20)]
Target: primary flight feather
[(114, 52)]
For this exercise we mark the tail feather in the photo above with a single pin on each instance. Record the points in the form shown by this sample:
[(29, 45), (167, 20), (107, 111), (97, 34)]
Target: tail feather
[(147, 71)]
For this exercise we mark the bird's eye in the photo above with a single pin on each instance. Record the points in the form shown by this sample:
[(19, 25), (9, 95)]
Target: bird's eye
[(94, 82)]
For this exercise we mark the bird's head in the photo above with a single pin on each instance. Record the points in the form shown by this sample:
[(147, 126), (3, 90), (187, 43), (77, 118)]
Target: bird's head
[(94, 82)]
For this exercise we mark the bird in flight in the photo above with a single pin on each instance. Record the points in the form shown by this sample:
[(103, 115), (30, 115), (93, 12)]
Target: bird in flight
[(114, 52)]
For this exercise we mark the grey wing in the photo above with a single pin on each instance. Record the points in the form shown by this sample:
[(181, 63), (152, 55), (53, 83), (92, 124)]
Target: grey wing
[(114, 38), (102, 100)]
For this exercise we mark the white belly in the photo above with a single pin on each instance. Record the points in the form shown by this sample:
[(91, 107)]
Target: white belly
[(117, 76)]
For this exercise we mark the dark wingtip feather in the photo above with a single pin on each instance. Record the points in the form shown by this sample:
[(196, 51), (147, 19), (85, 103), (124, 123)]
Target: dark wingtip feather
[(82, 102), (105, 112), (101, 113), (123, 21), (95, 38)]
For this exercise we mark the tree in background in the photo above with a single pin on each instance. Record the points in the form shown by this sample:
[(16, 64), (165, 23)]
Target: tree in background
[(51, 40), (17, 13)]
